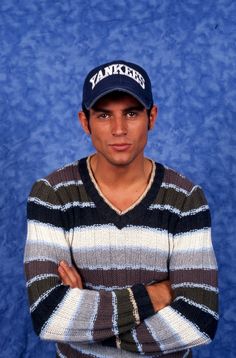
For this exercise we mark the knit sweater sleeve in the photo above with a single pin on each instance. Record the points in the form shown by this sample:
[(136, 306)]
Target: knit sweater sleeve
[(191, 319), (59, 312)]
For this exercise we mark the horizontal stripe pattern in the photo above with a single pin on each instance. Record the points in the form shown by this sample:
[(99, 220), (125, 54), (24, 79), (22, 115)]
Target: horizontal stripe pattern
[(167, 237)]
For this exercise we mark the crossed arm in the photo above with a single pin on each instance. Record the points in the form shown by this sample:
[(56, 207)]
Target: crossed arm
[(159, 293)]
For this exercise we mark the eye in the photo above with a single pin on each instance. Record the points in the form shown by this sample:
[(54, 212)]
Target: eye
[(131, 114), (103, 115)]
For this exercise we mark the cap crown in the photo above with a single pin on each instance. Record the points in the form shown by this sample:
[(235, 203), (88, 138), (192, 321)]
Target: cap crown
[(117, 76)]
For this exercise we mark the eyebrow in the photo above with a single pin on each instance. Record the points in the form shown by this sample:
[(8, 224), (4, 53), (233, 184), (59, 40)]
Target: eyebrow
[(128, 109)]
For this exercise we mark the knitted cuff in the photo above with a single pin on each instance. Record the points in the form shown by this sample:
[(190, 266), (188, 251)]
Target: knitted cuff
[(143, 301)]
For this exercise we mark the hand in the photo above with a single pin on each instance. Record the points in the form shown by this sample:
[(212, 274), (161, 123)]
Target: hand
[(69, 275), (160, 294)]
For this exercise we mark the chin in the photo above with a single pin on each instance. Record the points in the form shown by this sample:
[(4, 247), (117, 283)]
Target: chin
[(121, 162)]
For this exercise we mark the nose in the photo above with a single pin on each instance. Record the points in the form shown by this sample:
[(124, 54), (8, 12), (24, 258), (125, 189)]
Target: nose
[(118, 126)]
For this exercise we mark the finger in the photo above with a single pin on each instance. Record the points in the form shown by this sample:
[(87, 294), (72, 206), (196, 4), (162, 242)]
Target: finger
[(64, 277), (79, 280), (69, 275)]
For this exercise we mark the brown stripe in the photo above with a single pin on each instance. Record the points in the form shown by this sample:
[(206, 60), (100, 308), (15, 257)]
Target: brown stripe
[(199, 295), (45, 193), (104, 313), (121, 278), (178, 200), (145, 336), (194, 201), (62, 196), (208, 277), (38, 288), (171, 177), (71, 172), (170, 197), (73, 193), (34, 268)]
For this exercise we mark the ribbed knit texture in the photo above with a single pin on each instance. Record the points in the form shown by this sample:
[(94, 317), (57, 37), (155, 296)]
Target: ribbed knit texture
[(167, 235)]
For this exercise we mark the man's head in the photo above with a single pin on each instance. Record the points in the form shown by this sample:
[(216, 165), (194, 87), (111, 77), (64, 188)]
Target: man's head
[(117, 110)]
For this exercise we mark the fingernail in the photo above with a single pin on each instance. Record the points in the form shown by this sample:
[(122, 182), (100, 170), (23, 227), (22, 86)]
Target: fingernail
[(64, 263)]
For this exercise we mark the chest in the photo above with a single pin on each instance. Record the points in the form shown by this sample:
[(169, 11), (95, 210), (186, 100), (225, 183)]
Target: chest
[(109, 257)]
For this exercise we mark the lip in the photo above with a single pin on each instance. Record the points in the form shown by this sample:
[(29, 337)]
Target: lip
[(120, 146)]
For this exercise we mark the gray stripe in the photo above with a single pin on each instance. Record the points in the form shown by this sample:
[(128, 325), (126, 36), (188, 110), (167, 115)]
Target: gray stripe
[(201, 259), (40, 251), (123, 259)]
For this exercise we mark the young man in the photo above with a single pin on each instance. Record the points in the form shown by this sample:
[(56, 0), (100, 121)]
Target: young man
[(119, 260)]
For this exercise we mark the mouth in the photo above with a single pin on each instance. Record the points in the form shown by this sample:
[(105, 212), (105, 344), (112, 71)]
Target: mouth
[(120, 147)]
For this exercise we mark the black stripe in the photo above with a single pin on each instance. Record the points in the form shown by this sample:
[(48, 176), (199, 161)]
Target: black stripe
[(45, 308), (205, 321), (156, 219), (194, 222), (109, 342), (143, 301)]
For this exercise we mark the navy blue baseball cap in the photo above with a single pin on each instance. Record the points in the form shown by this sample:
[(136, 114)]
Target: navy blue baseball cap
[(117, 76)]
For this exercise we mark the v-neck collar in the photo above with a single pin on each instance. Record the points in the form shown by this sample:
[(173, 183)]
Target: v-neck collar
[(129, 216)]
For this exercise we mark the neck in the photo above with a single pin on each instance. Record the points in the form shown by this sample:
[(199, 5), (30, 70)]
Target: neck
[(116, 176)]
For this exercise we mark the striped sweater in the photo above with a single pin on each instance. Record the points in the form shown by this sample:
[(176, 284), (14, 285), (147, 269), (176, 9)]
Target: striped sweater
[(165, 235)]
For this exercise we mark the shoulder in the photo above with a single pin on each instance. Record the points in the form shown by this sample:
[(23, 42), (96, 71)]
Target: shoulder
[(62, 177), (183, 192), (178, 181)]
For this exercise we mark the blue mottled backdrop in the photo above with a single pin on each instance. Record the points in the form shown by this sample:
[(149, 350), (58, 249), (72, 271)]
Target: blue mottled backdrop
[(46, 49)]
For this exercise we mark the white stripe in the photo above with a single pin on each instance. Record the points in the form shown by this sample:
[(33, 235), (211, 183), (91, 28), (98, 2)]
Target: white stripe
[(93, 318), (68, 183), (42, 297), (74, 164), (195, 240), (57, 326), (72, 204), (179, 189), (45, 181), (99, 237), (196, 285), (115, 315), (190, 232), (173, 186), (139, 345), (105, 288), (177, 211), (195, 211), (201, 307), (174, 330), (193, 189), (39, 278), (186, 354), (131, 266), (59, 352), (42, 233), (129, 237)]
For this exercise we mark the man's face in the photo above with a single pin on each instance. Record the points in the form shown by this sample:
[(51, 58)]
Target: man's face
[(118, 127)]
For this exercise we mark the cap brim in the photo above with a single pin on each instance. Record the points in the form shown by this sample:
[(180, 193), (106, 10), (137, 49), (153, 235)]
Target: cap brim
[(120, 89)]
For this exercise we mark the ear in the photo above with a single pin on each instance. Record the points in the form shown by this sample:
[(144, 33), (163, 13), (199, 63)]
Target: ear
[(84, 122), (153, 117)]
